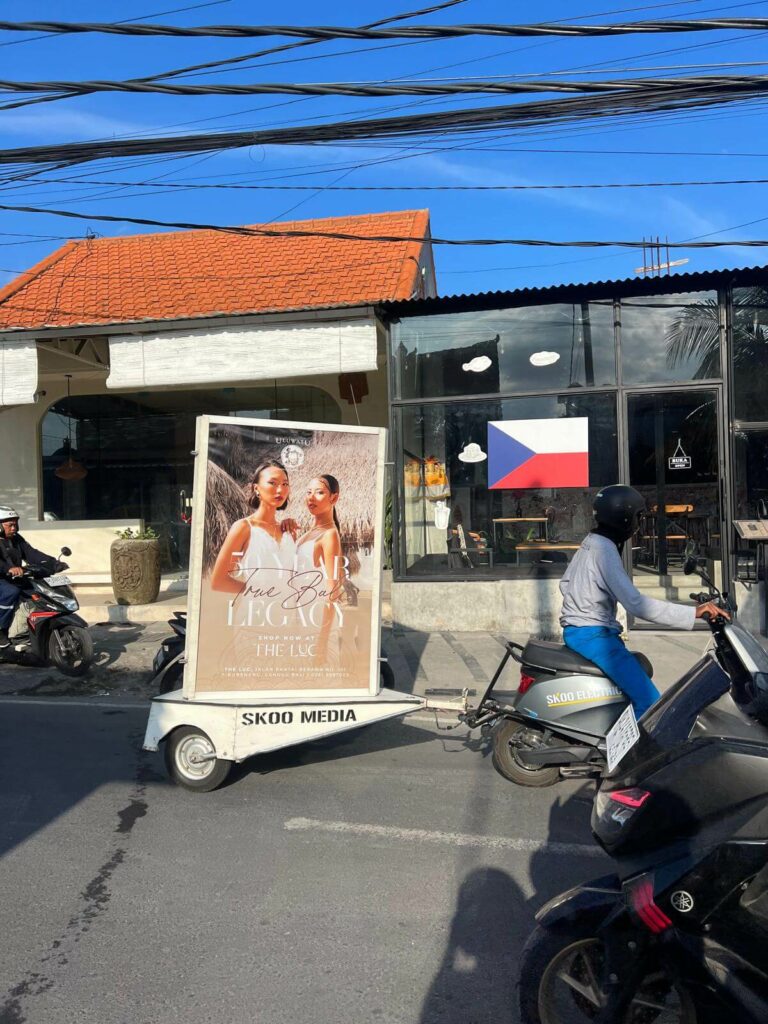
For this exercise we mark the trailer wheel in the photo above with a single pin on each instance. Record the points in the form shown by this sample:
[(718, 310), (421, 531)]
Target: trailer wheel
[(190, 758)]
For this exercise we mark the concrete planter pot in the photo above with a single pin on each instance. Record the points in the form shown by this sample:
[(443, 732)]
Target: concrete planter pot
[(135, 566)]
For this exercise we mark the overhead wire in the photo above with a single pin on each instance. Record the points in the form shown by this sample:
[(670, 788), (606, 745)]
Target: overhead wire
[(651, 26), (350, 236)]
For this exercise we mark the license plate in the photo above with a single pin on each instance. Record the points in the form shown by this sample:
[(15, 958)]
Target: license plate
[(59, 580), (622, 736)]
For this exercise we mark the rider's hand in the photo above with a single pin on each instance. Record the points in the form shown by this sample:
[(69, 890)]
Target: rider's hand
[(16, 571), (710, 608)]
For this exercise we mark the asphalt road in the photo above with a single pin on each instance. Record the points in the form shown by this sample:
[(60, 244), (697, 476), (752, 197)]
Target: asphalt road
[(387, 875)]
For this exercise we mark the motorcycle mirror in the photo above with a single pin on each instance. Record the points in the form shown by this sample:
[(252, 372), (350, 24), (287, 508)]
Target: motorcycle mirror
[(66, 552), (690, 565)]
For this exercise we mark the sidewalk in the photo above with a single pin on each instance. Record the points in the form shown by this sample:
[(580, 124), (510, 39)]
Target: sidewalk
[(438, 664)]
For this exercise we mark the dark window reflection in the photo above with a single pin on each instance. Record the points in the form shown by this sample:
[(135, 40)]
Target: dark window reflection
[(526, 349), (751, 472), (670, 338), (454, 525), (750, 353), (137, 450)]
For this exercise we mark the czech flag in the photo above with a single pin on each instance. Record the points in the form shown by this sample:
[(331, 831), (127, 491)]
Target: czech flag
[(538, 453)]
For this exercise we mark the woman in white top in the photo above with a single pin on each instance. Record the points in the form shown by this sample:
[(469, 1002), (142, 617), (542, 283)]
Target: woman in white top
[(258, 542), (320, 549)]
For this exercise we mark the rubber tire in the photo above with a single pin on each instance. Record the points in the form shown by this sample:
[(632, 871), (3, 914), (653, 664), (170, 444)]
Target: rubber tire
[(218, 776), (506, 764), (386, 675), (86, 644), (543, 945)]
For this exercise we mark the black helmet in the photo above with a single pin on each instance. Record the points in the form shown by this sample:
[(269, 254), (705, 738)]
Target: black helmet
[(617, 508)]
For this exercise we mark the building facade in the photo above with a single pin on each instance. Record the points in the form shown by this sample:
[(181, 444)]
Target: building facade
[(511, 410), (110, 348)]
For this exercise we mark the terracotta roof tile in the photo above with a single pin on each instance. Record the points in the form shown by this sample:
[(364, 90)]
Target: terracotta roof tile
[(186, 274)]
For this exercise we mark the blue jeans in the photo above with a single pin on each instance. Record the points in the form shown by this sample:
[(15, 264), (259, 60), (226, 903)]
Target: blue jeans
[(9, 598), (603, 647)]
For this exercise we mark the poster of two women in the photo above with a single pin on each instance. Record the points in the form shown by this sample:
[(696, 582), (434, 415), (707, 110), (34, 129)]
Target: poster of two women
[(286, 559)]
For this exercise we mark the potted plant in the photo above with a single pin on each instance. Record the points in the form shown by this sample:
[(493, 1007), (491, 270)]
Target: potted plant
[(135, 566)]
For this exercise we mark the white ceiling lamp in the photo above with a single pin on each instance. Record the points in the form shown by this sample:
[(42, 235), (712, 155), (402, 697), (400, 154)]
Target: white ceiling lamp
[(544, 358), (477, 365), (472, 452)]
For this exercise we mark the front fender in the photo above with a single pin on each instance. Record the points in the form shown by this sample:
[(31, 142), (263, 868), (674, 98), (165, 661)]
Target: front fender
[(598, 897)]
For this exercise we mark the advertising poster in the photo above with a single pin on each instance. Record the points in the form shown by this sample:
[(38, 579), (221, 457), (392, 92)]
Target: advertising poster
[(286, 559)]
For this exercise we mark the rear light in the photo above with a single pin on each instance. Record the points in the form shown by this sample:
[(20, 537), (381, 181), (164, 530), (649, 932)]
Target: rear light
[(614, 810), (526, 682), (630, 797), (641, 902)]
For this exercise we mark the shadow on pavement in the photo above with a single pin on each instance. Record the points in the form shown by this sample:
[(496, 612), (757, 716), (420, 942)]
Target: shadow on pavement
[(475, 980), (477, 977), (377, 736)]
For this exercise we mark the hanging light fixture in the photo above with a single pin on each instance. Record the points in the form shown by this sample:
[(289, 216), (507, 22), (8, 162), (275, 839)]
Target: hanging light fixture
[(70, 469)]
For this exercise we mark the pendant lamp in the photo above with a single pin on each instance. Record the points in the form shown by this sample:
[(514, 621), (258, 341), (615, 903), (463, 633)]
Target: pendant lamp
[(70, 469)]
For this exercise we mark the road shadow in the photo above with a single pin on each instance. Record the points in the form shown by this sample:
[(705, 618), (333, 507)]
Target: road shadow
[(365, 739), (476, 977), (476, 980)]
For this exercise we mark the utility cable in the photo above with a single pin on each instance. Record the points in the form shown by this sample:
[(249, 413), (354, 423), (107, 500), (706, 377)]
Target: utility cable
[(348, 236), (401, 32), (159, 187), (445, 122), (698, 83)]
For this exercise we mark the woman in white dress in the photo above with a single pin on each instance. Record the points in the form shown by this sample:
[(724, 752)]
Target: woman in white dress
[(259, 544), (320, 549)]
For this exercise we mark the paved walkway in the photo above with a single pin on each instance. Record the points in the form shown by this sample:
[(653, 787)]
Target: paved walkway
[(437, 664)]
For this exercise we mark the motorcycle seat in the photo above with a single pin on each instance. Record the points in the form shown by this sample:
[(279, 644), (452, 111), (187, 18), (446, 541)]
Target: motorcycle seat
[(553, 657)]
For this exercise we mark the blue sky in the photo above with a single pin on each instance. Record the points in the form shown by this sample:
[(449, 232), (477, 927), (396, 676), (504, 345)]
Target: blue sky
[(719, 143)]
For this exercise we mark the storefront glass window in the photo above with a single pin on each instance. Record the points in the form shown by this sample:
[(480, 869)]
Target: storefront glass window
[(530, 348), (137, 450), (749, 353), (750, 472), (670, 338), (457, 521)]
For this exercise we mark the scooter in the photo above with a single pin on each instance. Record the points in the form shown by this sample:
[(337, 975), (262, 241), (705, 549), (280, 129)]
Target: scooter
[(680, 932), (554, 726), (168, 663), (46, 629)]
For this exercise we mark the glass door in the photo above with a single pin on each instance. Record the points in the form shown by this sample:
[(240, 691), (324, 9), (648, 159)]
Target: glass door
[(675, 463)]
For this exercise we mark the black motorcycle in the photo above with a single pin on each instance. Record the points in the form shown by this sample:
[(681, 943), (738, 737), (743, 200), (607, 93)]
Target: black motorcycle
[(680, 932), (554, 725), (47, 629), (168, 664)]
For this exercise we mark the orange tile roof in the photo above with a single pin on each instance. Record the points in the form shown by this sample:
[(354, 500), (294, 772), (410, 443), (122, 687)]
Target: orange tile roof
[(189, 274)]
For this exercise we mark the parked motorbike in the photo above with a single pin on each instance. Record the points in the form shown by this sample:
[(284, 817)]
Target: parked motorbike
[(168, 664), (680, 932), (555, 725), (46, 629)]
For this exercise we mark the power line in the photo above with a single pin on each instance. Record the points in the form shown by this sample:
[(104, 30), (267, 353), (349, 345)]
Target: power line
[(260, 53), (349, 236), (719, 84), (161, 187), (407, 32), (445, 122)]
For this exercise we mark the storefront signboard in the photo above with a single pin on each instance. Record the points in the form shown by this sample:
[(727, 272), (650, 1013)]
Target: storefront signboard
[(286, 560), (679, 460)]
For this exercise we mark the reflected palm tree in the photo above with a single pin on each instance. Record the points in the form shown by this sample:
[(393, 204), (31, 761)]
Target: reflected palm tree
[(694, 335)]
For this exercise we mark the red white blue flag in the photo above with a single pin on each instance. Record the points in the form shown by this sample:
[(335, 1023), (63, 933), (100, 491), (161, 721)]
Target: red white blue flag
[(538, 453)]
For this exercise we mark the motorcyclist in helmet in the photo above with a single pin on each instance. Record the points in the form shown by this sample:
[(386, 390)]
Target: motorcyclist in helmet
[(593, 584), (14, 551)]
